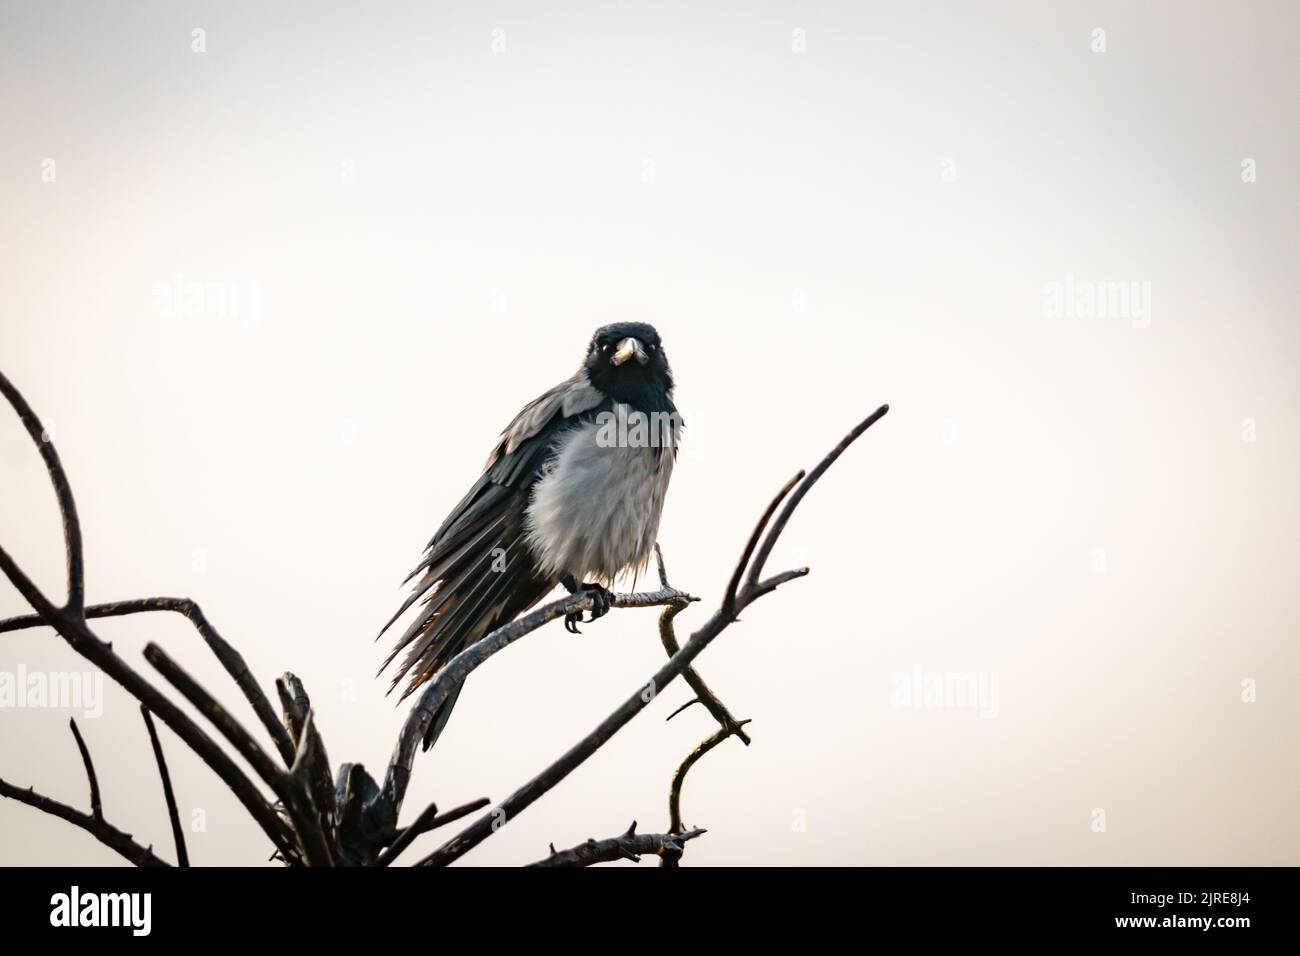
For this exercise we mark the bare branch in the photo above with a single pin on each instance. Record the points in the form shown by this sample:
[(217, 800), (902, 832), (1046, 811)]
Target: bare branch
[(703, 694), (287, 787), (690, 703), (230, 658), (62, 490), (729, 599), (460, 666), (728, 725), (98, 827), (679, 777), (88, 645), (426, 821), (630, 846), (182, 855), (96, 805)]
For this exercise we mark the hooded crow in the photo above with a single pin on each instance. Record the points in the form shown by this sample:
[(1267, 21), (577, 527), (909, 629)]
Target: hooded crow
[(570, 495)]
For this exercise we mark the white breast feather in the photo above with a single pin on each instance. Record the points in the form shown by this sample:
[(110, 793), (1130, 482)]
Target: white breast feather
[(595, 511)]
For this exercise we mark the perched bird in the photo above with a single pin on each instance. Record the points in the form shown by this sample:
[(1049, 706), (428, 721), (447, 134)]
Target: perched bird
[(570, 495)]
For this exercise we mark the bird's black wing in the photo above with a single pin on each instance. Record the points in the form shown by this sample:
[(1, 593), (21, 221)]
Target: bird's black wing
[(477, 573)]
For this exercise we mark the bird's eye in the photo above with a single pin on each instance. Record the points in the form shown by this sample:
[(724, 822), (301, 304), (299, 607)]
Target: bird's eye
[(652, 347), (604, 348)]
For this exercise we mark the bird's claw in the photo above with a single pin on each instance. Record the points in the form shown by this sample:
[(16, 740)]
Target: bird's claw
[(602, 599)]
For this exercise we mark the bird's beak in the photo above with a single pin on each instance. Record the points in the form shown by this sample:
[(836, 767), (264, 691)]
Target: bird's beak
[(628, 348)]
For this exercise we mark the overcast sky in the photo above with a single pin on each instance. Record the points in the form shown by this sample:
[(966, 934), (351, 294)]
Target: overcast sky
[(275, 287)]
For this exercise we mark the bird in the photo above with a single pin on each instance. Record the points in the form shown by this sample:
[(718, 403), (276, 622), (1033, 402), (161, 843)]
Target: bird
[(571, 495)]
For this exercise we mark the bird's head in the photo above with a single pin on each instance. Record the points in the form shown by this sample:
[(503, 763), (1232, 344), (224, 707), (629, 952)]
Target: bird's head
[(626, 361)]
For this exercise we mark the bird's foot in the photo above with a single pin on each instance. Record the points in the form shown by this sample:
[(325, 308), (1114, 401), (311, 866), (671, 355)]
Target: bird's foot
[(602, 598), (602, 601)]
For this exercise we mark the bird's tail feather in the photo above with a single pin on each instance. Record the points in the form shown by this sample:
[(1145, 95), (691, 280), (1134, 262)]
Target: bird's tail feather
[(475, 580)]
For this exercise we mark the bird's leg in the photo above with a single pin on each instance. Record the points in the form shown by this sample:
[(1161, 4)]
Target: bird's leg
[(602, 600)]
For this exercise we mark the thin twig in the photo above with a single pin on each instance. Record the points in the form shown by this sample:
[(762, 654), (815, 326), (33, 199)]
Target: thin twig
[(63, 492), (668, 636), (426, 821), (178, 835), (98, 827), (96, 805), (679, 777), (705, 696), (729, 599)]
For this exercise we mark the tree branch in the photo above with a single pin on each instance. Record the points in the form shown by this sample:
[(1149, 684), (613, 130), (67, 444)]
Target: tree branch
[(288, 787), (178, 835), (729, 597), (96, 826), (62, 491), (426, 821), (679, 777), (630, 846), (703, 694), (96, 805), (230, 658), (88, 645)]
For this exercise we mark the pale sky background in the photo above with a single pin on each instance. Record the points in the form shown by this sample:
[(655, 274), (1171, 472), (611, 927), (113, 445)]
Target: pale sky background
[(421, 220)]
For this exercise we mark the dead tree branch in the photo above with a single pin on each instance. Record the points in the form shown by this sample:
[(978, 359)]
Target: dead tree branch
[(178, 834), (288, 787), (96, 805), (230, 658), (430, 819), (630, 846), (98, 827), (63, 492), (703, 695)]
